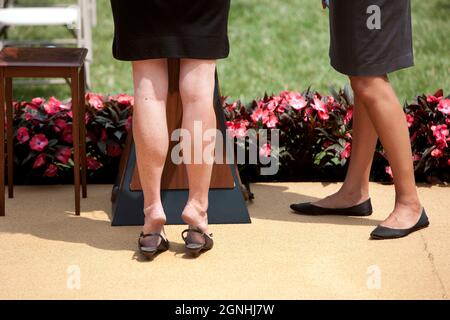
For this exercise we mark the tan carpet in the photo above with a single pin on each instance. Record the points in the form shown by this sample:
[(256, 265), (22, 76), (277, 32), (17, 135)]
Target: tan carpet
[(279, 256)]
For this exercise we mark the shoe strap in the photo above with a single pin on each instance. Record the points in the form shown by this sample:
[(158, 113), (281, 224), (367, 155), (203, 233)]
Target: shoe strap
[(142, 235), (197, 230)]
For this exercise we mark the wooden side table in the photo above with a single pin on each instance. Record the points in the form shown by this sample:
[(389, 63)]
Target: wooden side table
[(49, 63)]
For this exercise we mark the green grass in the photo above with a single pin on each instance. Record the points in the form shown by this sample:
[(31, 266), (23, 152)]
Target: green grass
[(275, 45)]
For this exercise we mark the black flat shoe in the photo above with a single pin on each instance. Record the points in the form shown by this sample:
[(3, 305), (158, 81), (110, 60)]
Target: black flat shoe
[(361, 210), (382, 233), (150, 252), (194, 248)]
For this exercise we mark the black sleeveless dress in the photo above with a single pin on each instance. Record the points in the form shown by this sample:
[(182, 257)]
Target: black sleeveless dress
[(370, 37), (152, 29)]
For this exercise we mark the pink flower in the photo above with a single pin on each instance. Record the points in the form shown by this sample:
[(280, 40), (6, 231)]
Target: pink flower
[(95, 100), (271, 121), (39, 161), (308, 114), (51, 170), (345, 154), (273, 104), (53, 106), (437, 153), (259, 114), (410, 120), (389, 172), (348, 115), (265, 150), (434, 99), (125, 99), (444, 106), (39, 142), (237, 128), (321, 109), (67, 135), (440, 132), (297, 101), (59, 125), (113, 150), (63, 154), (93, 164), (22, 135), (416, 157), (37, 101)]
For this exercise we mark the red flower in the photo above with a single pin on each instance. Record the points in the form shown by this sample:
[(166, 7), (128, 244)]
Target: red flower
[(321, 109), (37, 101), (93, 164), (113, 150), (444, 106), (63, 154), (23, 135), (53, 106), (345, 154), (59, 125), (125, 99), (295, 100), (440, 132), (410, 120), (436, 97), (67, 135), (348, 115), (265, 150), (437, 153), (237, 128), (95, 100), (39, 142), (271, 121), (51, 170), (39, 161), (259, 114)]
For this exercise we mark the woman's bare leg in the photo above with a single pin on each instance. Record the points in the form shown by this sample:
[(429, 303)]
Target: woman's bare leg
[(388, 118), (197, 94), (151, 137), (355, 189)]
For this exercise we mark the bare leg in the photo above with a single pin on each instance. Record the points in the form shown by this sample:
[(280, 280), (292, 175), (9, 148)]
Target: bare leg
[(197, 94), (150, 126), (355, 189), (389, 121)]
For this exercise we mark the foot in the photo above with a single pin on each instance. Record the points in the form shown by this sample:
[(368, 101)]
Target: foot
[(155, 219), (196, 216), (404, 216), (341, 200)]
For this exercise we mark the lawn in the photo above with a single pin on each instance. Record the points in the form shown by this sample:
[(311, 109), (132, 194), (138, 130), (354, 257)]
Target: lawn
[(276, 45)]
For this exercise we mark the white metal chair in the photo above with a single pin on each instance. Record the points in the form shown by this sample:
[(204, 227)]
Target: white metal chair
[(78, 18)]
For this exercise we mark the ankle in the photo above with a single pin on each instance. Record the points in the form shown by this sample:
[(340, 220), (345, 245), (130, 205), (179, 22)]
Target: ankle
[(408, 202), (201, 206), (354, 195), (154, 209)]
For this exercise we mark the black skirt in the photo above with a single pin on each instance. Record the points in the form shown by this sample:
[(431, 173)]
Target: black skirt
[(370, 37), (152, 29)]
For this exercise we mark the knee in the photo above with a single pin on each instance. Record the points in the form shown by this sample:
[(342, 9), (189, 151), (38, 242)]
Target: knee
[(362, 87), (192, 93)]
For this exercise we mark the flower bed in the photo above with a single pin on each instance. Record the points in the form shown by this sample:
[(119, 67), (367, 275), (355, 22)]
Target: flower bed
[(315, 136)]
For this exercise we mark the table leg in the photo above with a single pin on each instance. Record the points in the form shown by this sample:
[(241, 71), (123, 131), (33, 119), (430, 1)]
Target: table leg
[(74, 85), (2, 139), (10, 135), (83, 131)]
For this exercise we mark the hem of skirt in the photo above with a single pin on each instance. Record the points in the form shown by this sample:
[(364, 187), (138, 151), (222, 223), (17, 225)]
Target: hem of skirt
[(373, 70), (206, 48)]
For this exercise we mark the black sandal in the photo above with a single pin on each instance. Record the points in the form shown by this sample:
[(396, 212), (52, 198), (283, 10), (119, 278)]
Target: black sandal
[(150, 252), (196, 248)]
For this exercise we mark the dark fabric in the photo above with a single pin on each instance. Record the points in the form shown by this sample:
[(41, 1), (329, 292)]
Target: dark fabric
[(356, 50), (150, 29)]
